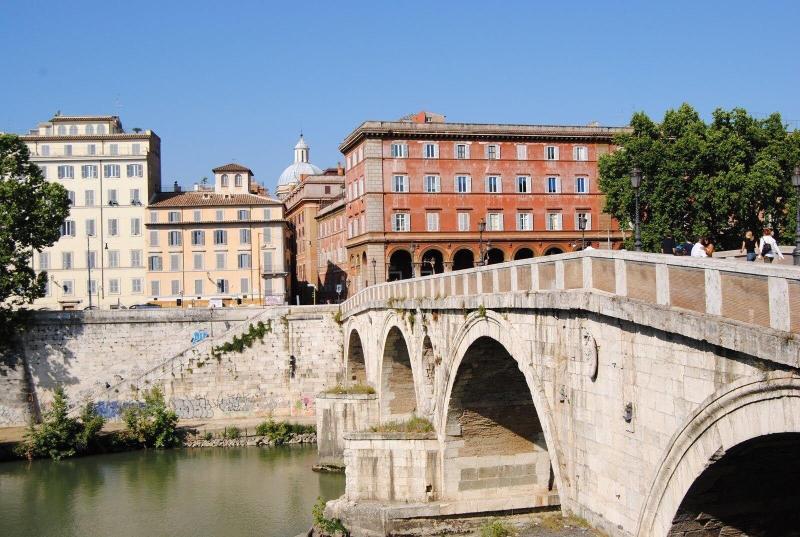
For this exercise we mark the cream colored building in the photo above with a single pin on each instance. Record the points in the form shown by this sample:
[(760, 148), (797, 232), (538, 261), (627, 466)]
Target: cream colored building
[(217, 245), (110, 175)]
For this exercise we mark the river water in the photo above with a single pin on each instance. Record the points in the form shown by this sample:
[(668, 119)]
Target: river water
[(225, 492)]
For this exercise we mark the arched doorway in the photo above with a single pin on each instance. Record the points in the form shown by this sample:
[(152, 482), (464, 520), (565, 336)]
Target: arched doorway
[(356, 368), (553, 251), (432, 263), (494, 256), (496, 444), (523, 253), (400, 266), (463, 259), (398, 397), (749, 490)]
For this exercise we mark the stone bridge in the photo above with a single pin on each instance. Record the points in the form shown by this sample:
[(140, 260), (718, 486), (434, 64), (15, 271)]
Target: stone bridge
[(651, 395)]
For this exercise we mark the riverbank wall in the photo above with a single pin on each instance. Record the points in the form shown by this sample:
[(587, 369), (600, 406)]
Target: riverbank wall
[(211, 364)]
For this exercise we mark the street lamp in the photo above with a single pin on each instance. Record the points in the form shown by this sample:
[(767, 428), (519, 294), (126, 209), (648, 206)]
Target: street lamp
[(636, 181), (582, 227), (374, 263), (481, 229), (89, 268), (796, 183)]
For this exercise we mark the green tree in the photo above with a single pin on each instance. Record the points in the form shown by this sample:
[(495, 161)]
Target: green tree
[(152, 424), (31, 212), (716, 179)]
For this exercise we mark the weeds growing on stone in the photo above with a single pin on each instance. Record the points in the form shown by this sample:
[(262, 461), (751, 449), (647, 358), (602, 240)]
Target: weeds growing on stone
[(231, 433), (496, 528), (358, 388), (415, 424), (281, 432), (326, 526)]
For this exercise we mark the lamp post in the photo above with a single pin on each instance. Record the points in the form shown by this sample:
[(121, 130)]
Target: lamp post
[(374, 280), (481, 229), (636, 181), (89, 268), (582, 227), (796, 183)]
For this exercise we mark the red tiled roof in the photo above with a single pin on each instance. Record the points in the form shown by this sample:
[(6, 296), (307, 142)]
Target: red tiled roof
[(209, 199), (232, 167)]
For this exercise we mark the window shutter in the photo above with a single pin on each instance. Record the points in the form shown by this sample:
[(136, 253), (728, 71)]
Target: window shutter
[(556, 152)]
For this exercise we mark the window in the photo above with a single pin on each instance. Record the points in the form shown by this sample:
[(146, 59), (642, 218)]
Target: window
[(91, 259), (154, 263), (62, 130), (399, 150), (153, 237), (463, 184), (155, 288), (136, 286), (113, 258), (222, 286), (173, 217), (89, 129), (135, 170), (112, 196), (71, 197), (136, 227), (135, 197), (45, 150), (245, 285), (224, 179), (524, 222), (91, 149), (431, 151), (135, 149), (219, 215), (432, 184), (113, 227), (220, 236), (400, 222), (553, 185), (90, 227), (580, 152), (101, 129), (175, 287), (463, 221), (587, 216), (267, 235), (44, 261), (220, 260), (243, 214), (237, 180), (91, 286), (113, 149), (68, 228), (494, 184), (432, 221), (524, 184), (66, 260), (44, 171), (267, 262), (153, 217), (198, 237), (196, 215), (244, 236), (88, 198), (198, 287), (89, 171), (174, 238), (111, 170), (68, 150), (492, 152), (73, 130), (553, 221), (68, 286), (66, 172), (522, 152), (243, 261), (551, 152), (461, 151), (494, 222), (197, 261), (399, 183), (581, 185), (327, 189), (175, 262), (136, 258)]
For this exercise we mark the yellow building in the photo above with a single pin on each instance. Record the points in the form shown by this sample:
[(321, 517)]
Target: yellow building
[(219, 245), (109, 174)]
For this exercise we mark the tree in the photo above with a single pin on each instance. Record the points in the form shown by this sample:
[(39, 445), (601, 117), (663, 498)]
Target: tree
[(717, 180), (31, 213)]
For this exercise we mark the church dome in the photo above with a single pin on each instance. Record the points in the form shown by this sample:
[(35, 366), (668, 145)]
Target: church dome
[(301, 166)]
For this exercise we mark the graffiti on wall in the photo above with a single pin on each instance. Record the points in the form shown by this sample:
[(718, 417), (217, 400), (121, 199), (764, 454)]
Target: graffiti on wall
[(198, 336), (9, 416), (113, 410), (206, 407)]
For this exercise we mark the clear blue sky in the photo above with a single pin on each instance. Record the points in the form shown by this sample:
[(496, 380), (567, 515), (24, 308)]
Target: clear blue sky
[(220, 81)]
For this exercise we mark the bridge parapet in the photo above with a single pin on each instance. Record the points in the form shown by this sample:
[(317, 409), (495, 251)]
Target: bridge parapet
[(751, 293)]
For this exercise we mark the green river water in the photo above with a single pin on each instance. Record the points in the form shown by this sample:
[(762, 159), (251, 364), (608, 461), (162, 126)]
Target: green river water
[(225, 492)]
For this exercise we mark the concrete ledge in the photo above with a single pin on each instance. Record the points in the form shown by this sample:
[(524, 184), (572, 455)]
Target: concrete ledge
[(347, 396), (389, 436)]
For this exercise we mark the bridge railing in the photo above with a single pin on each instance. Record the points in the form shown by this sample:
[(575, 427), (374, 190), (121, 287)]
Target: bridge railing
[(754, 293)]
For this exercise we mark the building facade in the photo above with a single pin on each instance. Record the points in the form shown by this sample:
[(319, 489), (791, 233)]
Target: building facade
[(110, 175), (219, 245), (420, 191), (332, 254)]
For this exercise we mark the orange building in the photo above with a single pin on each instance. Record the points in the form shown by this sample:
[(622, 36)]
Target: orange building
[(420, 190), (332, 258)]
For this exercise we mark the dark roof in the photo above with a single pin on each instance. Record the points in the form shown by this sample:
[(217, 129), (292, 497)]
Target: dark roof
[(209, 199), (232, 167), (56, 119), (332, 208), (89, 137)]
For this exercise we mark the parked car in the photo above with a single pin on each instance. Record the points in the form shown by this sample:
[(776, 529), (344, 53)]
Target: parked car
[(147, 306)]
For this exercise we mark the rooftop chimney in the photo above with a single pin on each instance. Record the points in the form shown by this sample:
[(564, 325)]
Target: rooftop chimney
[(339, 169), (176, 187)]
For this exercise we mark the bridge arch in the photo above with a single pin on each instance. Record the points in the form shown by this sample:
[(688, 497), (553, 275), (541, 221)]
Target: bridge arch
[(355, 359), (729, 427), (488, 354), (398, 395)]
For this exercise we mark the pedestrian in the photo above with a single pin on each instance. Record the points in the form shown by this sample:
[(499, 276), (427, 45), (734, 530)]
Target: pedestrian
[(699, 248), (749, 246), (668, 245), (709, 248), (768, 249)]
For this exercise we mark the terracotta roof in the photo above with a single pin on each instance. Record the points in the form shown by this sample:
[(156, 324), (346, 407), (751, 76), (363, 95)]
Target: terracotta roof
[(89, 137), (332, 208), (232, 167), (56, 119), (209, 199)]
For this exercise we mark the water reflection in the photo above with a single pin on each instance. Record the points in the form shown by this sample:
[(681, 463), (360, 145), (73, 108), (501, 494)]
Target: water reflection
[(225, 492)]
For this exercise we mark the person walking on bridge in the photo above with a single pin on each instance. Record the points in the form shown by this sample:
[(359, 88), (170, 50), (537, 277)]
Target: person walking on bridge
[(749, 246), (768, 249)]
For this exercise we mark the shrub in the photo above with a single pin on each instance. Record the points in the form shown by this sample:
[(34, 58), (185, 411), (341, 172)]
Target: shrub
[(208, 437), (152, 424), (281, 432), (495, 528), (231, 433), (327, 526), (414, 424), (59, 435), (355, 388)]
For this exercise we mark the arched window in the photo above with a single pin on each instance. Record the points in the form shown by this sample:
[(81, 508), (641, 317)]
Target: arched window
[(62, 130), (89, 129), (101, 129), (224, 179), (73, 130), (238, 179)]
